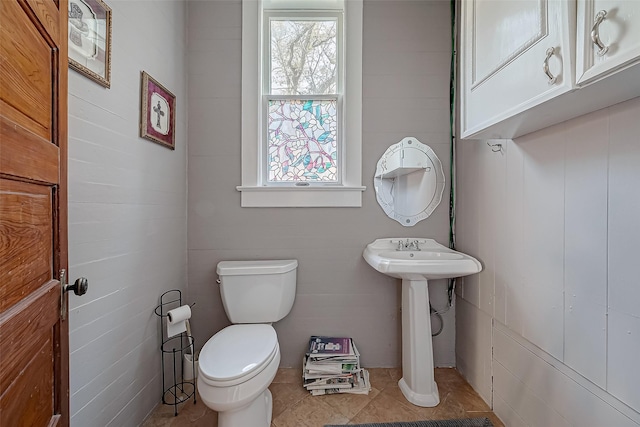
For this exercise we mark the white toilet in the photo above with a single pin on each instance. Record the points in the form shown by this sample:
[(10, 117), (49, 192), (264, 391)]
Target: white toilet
[(238, 363)]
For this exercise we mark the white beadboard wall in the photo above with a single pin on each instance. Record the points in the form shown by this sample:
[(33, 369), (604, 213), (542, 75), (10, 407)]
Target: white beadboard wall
[(405, 85), (552, 324), (127, 218)]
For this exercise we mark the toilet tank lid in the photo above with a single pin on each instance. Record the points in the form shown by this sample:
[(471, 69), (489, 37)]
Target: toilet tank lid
[(239, 268)]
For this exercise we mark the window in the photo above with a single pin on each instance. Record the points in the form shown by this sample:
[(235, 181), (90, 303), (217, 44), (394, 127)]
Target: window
[(301, 103), (301, 84)]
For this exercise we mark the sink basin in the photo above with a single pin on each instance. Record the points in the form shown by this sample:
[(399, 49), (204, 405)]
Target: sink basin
[(418, 261), (432, 261)]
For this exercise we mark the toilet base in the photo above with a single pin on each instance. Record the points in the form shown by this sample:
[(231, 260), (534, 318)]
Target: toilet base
[(256, 414)]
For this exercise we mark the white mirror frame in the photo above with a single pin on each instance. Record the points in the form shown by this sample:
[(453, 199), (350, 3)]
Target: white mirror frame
[(409, 181)]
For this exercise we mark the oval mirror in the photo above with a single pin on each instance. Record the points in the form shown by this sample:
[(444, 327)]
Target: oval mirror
[(409, 181)]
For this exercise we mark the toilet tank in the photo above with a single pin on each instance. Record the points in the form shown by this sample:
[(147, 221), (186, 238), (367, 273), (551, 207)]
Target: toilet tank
[(257, 291)]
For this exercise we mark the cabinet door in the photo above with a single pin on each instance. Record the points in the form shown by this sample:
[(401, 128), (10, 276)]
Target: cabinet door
[(505, 48), (614, 25)]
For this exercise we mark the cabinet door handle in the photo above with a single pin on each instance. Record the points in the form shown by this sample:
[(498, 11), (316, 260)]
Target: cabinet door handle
[(545, 66), (595, 33)]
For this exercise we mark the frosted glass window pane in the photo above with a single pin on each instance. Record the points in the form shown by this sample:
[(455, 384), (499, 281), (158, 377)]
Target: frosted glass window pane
[(303, 57), (302, 141)]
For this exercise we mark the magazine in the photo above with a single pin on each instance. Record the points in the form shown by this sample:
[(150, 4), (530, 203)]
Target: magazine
[(332, 365), (330, 346), (361, 385), (335, 382)]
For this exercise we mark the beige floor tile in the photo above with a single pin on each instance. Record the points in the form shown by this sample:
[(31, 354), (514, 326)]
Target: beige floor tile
[(288, 376), (349, 404), (435, 413), (469, 399), (395, 392), (293, 406), (309, 412), (448, 378), (395, 374), (384, 408), (208, 419), (447, 409), (381, 378), (286, 395)]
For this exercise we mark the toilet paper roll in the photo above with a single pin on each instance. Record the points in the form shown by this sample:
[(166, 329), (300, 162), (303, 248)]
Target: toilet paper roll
[(177, 320)]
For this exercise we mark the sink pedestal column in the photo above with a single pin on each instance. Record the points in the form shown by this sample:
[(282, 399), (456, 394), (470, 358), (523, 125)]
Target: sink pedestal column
[(417, 382)]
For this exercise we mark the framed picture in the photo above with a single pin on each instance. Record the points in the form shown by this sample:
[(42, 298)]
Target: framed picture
[(157, 112), (90, 39)]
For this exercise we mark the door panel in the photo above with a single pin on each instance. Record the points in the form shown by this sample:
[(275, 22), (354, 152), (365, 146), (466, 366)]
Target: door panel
[(26, 398), (34, 355), (26, 211), (47, 15), (35, 320), (27, 75), (42, 162)]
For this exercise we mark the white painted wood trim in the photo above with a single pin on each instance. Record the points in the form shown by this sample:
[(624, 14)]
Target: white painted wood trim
[(313, 197)]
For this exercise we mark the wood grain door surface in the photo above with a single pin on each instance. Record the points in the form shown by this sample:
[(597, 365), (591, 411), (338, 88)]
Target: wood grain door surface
[(34, 348)]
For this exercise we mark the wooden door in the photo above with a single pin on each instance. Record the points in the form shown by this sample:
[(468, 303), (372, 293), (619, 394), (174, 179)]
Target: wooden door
[(34, 349)]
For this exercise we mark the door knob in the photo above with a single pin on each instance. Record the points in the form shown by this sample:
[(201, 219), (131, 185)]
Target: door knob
[(79, 287)]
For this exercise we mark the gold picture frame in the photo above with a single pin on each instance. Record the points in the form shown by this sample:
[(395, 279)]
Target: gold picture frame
[(157, 112), (90, 40)]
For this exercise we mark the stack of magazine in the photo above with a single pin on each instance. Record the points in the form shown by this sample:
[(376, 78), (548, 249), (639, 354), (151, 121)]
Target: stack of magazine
[(332, 365)]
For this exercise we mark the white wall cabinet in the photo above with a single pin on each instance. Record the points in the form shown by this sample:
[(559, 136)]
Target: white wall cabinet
[(529, 64), (504, 56), (608, 38)]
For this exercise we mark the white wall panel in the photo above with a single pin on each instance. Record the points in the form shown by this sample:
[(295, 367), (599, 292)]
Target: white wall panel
[(534, 411), (624, 234), (524, 374), (127, 219), (506, 413), (543, 250), (492, 179), (624, 208), (474, 347), (585, 238), (510, 238), (468, 219), (624, 348)]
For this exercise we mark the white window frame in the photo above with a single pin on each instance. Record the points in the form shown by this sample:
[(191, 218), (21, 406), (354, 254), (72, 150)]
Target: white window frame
[(254, 189)]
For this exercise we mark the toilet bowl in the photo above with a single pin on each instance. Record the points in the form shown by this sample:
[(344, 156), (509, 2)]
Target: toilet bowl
[(238, 363), (236, 367)]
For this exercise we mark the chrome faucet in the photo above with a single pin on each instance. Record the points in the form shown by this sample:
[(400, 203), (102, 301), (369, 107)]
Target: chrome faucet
[(408, 245)]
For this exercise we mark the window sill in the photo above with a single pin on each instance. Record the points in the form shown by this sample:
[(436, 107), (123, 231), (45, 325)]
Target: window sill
[(308, 197)]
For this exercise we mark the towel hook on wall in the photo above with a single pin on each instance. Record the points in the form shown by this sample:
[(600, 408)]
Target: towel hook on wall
[(496, 148)]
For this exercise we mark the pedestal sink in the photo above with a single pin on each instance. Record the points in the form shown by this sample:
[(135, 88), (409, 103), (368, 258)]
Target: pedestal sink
[(415, 261)]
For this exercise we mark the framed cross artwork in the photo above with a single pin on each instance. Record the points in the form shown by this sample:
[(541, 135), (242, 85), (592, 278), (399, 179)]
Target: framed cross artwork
[(157, 112)]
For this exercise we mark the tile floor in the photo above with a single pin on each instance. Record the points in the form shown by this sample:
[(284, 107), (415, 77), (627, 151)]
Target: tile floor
[(293, 406)]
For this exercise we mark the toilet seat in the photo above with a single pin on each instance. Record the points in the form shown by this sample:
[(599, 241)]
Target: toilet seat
[(237, 353)]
